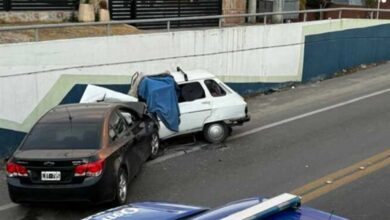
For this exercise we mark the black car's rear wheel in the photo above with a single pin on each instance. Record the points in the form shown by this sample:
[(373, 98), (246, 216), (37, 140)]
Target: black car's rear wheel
[(122, 187), (154, 145)]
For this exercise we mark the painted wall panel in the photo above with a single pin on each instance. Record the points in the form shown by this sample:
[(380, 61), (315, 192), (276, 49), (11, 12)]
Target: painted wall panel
[(327, 53)]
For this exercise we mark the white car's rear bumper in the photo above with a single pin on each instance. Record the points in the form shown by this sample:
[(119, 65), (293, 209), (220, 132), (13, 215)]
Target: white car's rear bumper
[(238, 122)]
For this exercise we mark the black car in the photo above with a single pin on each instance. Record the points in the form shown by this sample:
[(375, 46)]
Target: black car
[(83, 152)]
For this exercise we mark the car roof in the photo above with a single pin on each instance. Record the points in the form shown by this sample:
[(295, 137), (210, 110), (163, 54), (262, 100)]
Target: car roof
[(192, 75), (169, 211), (89, 112)]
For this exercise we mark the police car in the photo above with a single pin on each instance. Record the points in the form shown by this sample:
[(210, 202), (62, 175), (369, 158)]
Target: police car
[(285, 206)]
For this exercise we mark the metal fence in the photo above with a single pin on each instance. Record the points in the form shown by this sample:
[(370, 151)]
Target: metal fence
[(168, 21), (2, 5), (142, 9), (37, 5), (133, 9)]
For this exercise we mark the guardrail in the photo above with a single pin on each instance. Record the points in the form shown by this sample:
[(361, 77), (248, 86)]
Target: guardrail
[(168, 21)]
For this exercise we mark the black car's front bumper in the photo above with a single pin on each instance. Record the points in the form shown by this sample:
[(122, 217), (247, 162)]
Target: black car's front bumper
[(92, 190)]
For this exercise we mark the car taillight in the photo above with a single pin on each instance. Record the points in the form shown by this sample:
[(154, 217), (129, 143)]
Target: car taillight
[(14, 170), (89, 169)]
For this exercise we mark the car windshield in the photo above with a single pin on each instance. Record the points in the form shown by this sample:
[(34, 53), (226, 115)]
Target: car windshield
[(64, 136)]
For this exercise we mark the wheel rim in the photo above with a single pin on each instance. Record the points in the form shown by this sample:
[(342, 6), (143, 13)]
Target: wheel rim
[(155, 143), (122, 187), (215, 132)]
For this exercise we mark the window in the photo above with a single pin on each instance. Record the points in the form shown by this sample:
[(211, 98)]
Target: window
[(349, 2), (190, 92), (64, 136), (214, 88), (128, 118), (117, 127)]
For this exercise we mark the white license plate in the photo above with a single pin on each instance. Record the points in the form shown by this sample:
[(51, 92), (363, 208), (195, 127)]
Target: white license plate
[(50, 175)]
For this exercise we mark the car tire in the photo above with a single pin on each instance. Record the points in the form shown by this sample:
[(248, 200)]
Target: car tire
[(122, 187), (155, 145), (216, 132)]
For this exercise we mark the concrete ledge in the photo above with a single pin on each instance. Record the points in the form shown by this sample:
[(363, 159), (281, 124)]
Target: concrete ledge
[(35, 16)]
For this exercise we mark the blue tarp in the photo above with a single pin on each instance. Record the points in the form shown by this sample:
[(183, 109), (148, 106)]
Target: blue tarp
[(160, 94)]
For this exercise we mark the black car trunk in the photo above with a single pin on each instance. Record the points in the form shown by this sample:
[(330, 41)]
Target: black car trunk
[(62, 162)]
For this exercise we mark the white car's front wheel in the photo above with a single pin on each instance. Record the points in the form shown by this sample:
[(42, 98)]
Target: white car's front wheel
[(216, 132)]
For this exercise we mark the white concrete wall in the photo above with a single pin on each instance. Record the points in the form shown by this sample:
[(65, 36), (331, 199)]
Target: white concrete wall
[(252, 51), (36, 76), (241, 54)]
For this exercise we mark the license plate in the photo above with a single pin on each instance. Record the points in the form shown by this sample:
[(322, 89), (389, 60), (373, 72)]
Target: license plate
[(50, 176)]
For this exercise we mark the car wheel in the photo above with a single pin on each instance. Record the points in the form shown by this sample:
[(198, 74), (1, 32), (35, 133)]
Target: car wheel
[(122, 187), (154, 145), (216, 132)]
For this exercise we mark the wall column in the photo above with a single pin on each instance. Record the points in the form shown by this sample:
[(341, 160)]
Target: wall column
[(232, 7)]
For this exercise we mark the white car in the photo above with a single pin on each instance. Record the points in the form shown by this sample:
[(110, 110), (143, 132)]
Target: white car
[(206, 104)]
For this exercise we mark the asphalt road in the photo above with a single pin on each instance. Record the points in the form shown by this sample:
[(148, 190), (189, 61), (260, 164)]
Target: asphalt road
[(295, 137)]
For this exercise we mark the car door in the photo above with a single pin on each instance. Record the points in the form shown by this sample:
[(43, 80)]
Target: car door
[(121, 137), (195, 106), (139, 130), (225, 104), (220, 99)]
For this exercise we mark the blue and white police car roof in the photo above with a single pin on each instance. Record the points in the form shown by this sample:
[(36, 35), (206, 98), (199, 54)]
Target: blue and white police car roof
[(283, 207)]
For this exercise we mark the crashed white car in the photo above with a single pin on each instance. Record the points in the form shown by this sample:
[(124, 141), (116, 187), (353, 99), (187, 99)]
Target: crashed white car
[(206, 104)]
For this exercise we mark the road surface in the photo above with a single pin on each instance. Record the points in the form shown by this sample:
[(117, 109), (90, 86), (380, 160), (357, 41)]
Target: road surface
[(329, 141)]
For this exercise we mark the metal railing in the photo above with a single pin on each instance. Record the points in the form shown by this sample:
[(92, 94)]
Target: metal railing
[(168, 21)]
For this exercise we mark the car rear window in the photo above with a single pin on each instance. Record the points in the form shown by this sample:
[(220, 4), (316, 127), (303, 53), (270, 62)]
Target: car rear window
[(64, 136), (214, 89)]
